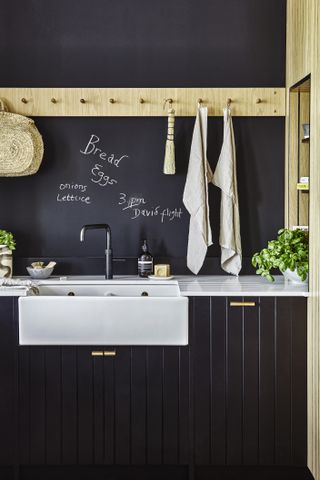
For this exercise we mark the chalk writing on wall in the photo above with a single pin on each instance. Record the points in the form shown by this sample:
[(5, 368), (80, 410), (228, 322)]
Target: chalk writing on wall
[(73, 192), (98, 171), (92, 149), (100, 178), (139, 207)]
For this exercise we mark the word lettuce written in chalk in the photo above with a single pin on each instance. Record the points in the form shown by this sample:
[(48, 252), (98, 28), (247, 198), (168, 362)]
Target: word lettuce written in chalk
[(138, 207), (92, 149)]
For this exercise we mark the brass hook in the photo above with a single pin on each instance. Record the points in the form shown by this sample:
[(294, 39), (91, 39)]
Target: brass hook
[(82, 100), (24, 100), (169, 100), (229, 101), (53, 100), (258, 100), (112, 100), (141, 100)]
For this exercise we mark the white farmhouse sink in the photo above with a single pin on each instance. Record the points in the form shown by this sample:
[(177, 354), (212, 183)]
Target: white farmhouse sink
[(107, 313), (109, 288)]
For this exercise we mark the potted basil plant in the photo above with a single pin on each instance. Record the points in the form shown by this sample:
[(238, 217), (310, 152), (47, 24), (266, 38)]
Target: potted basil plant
[(7, 244), (289, 253)]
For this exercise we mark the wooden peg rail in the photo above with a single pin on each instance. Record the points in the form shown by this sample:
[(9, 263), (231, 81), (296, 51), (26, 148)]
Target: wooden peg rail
[(143, 102)]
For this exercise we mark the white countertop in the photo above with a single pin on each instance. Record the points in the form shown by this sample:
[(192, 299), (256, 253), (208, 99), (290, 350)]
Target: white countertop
[(13, 291), (191, 285), (242, 286)]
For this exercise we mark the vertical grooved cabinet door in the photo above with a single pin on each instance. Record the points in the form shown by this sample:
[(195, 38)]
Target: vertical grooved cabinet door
[(151, 391), (248, 358), (201, 363), (129, 409), (267, 367), (7, 375), (60, 396)]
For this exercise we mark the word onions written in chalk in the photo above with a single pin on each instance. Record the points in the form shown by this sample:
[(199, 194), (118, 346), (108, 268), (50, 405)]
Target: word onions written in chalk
[(92, 149), (73, 193), (138, 207)]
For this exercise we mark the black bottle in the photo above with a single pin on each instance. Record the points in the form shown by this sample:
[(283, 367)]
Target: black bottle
[(145, 261)]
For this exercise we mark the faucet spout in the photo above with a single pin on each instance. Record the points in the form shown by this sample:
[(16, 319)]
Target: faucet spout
[(108, 250)]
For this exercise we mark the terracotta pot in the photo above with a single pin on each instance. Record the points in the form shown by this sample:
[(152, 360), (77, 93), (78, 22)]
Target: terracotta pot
[(5, 261)]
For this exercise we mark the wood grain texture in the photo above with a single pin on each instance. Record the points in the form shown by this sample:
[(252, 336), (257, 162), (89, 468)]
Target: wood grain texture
[(148, 102), (304, 155), (298, 153), (291, 175), (303, 58)]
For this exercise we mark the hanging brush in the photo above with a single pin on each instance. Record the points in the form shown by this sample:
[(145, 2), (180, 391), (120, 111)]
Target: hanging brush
[(169, 166)]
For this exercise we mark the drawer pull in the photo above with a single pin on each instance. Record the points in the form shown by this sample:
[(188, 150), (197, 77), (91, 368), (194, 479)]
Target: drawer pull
[(100, 353), (242, 304), (109, 353)]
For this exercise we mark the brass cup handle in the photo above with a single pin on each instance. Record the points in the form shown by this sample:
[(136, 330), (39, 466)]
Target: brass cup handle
[(242, 304), (109, 353), (106, 353)]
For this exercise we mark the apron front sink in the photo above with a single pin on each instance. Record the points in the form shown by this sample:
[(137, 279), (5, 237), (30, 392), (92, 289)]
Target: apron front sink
[(104, 315)]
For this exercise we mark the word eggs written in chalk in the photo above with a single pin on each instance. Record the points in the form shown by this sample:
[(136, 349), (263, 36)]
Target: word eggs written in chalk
[(100, 178), (73, 193)]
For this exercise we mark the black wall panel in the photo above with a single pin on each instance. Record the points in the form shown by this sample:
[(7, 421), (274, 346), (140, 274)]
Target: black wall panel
[(141, 43)]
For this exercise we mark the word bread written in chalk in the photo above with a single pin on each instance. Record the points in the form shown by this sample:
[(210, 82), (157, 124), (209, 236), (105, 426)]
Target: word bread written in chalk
[(73, 192), (138, 207), (92, 149)]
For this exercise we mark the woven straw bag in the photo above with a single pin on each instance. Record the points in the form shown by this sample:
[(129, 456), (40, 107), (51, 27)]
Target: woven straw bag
[(21, 145)]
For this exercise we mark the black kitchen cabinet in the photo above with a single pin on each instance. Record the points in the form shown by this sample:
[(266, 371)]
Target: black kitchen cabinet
[(8, 381), (234, 398), (127, 409), (7, 385), (249, 368)]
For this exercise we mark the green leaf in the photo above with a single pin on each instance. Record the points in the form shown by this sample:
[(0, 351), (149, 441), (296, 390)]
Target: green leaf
[(289, 250)]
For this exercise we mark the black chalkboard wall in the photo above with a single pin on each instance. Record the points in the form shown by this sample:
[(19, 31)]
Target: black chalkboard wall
[(141, 43)]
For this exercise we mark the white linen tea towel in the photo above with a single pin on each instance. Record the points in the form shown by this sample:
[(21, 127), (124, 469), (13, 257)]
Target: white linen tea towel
[(195, 195), (225, 177)]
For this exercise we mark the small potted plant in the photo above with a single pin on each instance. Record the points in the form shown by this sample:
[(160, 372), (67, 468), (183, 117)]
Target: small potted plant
[(7, 244), (289, 253)]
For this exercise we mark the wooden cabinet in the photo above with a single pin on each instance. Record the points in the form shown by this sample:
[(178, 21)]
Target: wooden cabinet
[(249, 366), (298, 154)]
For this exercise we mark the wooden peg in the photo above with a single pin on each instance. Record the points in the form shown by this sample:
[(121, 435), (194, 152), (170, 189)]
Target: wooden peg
[(167, 100), (82, 100), (200, 101), (229, 101), (112, 100), (141, 100), (258, 100), (24, 100), (53, 100)]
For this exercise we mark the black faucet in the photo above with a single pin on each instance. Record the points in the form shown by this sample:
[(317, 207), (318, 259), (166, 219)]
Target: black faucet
[(108, 251)]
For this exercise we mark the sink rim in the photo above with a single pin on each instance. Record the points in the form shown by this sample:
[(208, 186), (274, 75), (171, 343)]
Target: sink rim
[(100, 280)]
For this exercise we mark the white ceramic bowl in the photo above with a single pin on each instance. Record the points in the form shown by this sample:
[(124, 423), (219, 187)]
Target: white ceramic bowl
[(40, 273), (293, 276)]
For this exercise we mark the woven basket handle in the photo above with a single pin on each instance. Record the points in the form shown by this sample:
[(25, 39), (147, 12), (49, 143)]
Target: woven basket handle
[(3, 106)]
